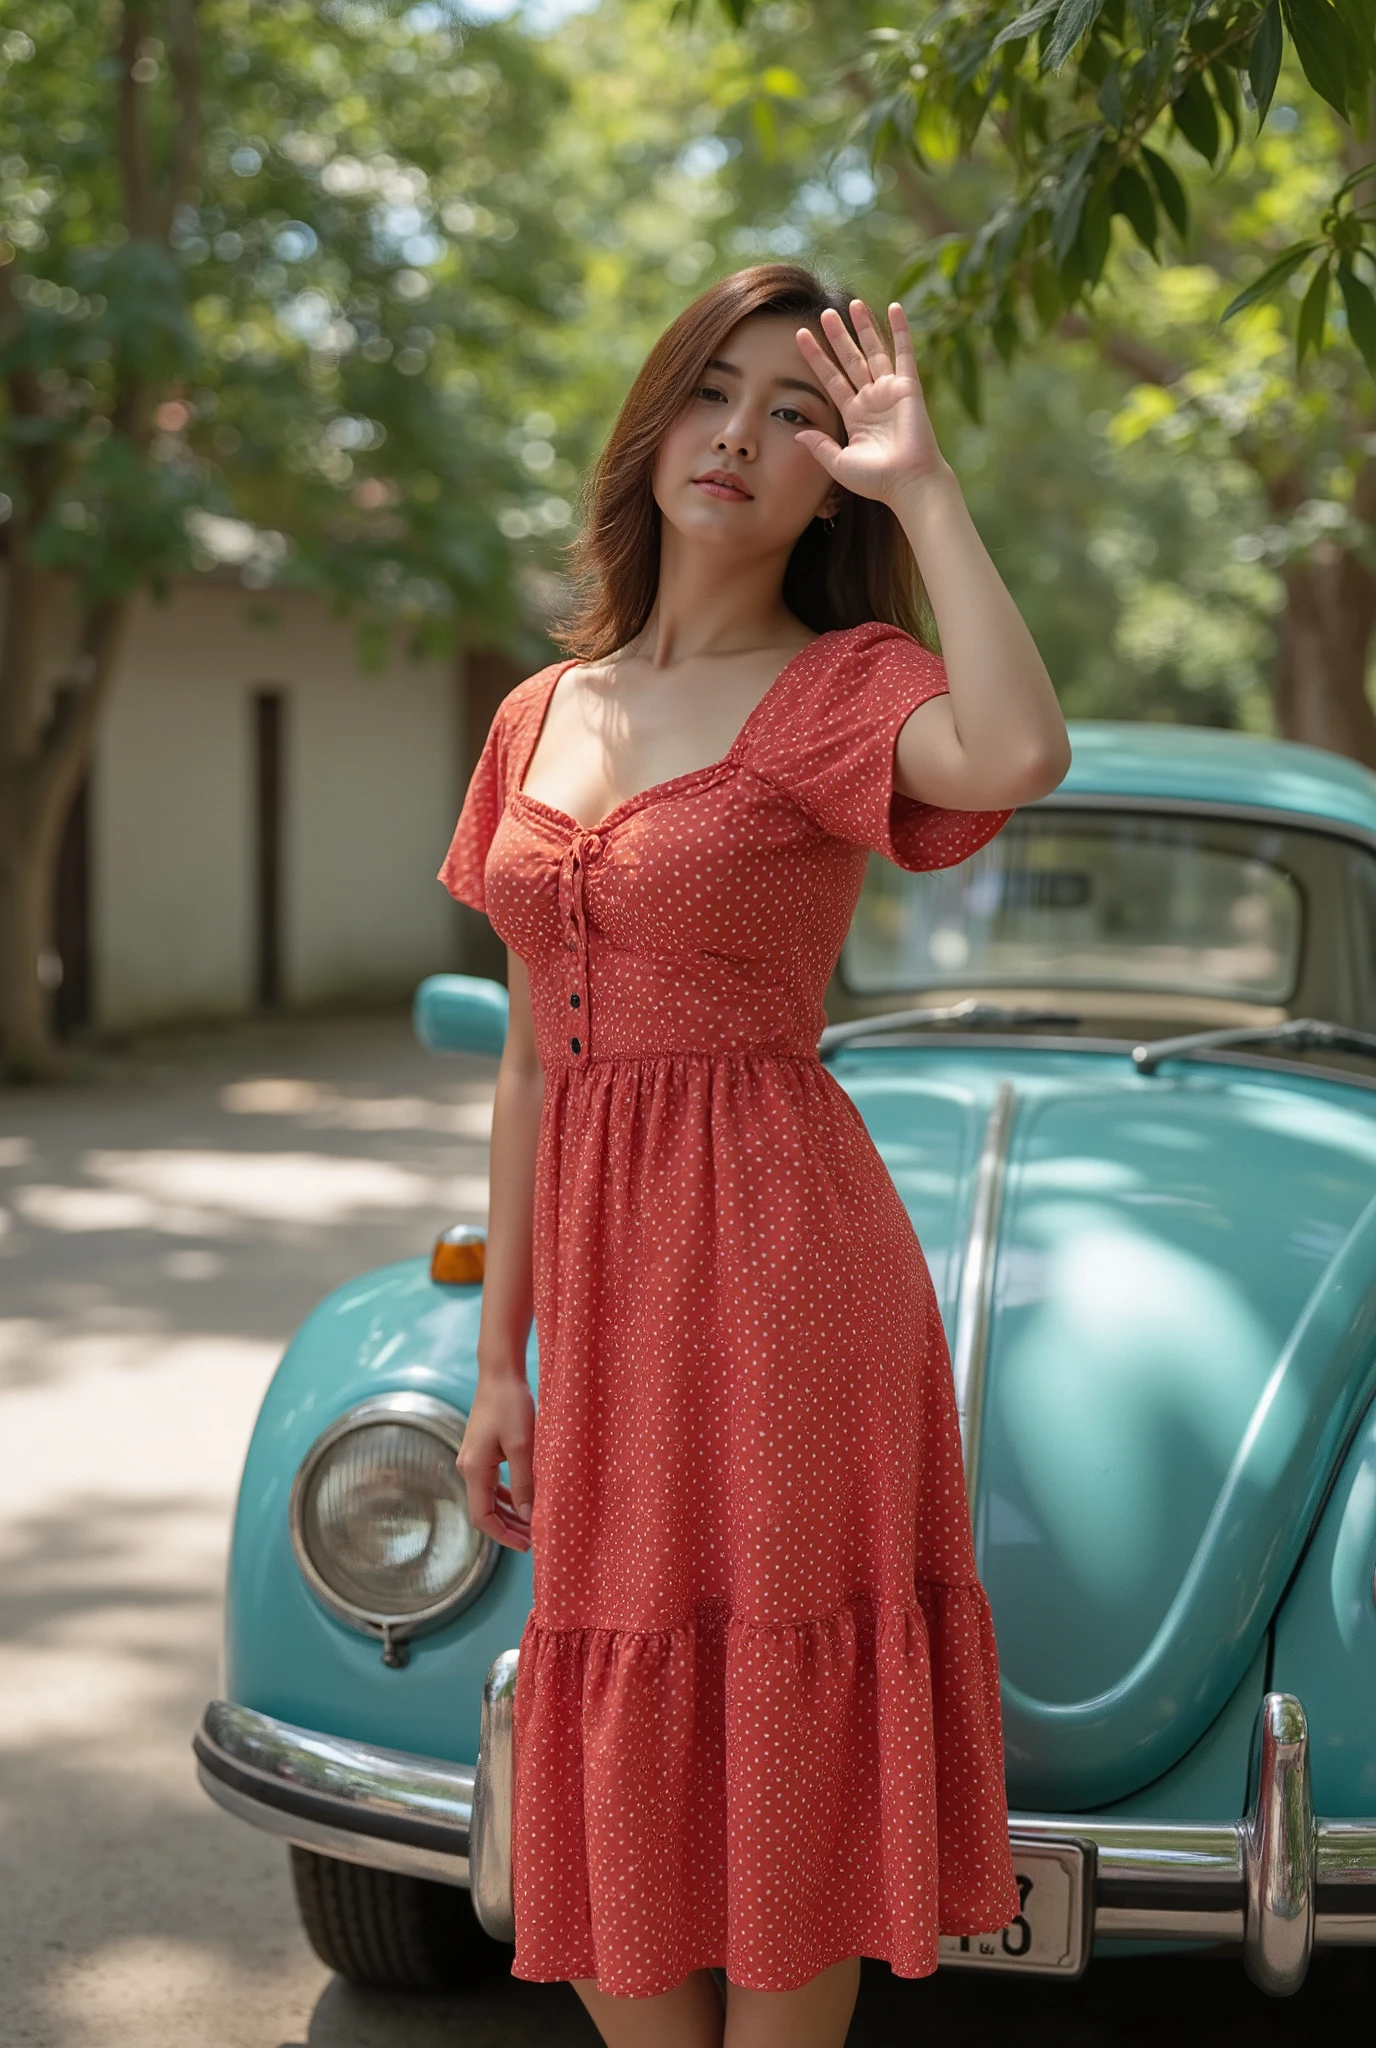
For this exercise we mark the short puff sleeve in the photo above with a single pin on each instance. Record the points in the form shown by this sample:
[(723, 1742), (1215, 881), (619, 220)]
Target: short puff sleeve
[(462, 872), (832, 749)]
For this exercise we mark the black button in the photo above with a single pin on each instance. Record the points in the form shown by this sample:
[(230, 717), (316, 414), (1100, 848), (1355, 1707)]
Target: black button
[(574, 1045), (574, 1000)]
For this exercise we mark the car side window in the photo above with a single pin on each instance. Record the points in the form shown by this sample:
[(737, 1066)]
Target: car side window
[(1364, 896)]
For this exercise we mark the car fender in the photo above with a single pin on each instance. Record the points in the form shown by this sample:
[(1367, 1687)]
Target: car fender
[(1262, 1518), (391, 1330)]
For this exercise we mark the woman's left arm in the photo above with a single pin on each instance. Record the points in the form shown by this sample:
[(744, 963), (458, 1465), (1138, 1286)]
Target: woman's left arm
[(998, 739)]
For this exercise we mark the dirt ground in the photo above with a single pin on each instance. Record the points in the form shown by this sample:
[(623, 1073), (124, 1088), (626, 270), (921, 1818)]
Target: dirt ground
[(165, 1221)]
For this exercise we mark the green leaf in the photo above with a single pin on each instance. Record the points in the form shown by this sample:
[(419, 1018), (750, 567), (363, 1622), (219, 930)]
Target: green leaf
[(931, 256), (1046, 295), (1275, 274), (1225, 85), (1263, 59), (1313, 307), (1094, 61), (965, 374), (1361, 312), (1006, 337), (1357, 25), (1317, 34), (1094, 234), (1111, 97), (1131, 196), (1356, 177), (1069, 202), (1196, 117), (1025, 24), (1071, 23), (1169, 190)]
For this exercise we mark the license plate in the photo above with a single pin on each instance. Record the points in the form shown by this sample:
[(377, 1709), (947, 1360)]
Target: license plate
[(1050, 1936)]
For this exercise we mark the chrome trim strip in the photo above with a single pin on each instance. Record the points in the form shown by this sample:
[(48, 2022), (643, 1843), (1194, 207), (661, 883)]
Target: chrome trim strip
[(1149, 1880), (970, 1350), (375, 1852), (1347, 1855), (296, 1782), (1166, 1923), (1182, 1854), (489, 1846), (1278, 1852)]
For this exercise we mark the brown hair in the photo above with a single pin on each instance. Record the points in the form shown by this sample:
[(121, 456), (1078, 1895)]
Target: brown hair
[(863, 569)]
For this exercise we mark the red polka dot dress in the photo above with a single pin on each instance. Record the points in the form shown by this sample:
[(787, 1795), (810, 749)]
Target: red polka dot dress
[(757, 1709)]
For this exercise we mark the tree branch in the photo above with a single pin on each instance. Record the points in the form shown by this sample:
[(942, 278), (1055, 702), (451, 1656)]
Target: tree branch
[(184, 58), (1145, 364), (1142, 362), (77, 700), (132, 115)]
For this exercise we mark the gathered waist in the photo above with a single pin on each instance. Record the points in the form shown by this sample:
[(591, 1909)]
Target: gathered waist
[(586, 1062)]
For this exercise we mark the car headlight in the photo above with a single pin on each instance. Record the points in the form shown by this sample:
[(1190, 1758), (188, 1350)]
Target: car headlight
[(379, 1520)]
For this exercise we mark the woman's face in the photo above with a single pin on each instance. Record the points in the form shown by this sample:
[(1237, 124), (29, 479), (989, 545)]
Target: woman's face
[(729, 473)]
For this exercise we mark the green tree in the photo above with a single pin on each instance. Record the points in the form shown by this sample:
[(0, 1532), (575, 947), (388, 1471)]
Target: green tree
[(1094, 171), (272, 286)]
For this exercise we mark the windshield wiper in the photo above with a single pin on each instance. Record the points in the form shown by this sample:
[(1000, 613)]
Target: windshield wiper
[(1300, 1033), (975, 1016)]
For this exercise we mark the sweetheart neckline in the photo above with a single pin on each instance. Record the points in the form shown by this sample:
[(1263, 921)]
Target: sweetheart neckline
[(656, 790)]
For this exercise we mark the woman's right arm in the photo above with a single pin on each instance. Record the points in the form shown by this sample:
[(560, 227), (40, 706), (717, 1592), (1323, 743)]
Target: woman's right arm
[(501, 1424)]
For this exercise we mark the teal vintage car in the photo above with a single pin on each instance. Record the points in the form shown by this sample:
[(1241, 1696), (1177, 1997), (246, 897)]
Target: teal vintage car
[(1122, 1067)]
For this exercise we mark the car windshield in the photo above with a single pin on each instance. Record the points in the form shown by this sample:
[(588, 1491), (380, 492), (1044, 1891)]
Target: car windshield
[(1089, 899)]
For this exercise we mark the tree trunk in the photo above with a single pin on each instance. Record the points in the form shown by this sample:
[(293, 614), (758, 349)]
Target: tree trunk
[(24, 1027), (45, 743), (1324, 634), (41, 767)]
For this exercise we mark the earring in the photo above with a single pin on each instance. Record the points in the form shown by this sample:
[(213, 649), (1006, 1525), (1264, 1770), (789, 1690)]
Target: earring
[(830, 524)]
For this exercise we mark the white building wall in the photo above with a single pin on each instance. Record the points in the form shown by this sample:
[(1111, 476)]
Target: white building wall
[(373, 782)]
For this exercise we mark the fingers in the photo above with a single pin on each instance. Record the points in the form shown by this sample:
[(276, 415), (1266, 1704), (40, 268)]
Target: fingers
[(877, 360), (837, 385), (850, 358), (491, 1507), (904, 354), (515, 1524)]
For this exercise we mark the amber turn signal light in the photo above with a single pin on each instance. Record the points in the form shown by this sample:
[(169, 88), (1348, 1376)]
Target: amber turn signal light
[(459, 1256)]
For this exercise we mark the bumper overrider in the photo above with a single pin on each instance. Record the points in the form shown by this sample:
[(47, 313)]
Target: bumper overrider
[(1278, 1882)]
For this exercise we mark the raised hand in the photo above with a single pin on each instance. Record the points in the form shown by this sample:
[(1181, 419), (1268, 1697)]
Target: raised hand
[(889, 437)]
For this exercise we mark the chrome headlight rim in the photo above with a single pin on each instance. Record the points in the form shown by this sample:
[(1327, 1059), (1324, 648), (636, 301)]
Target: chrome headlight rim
[(438, 1419)]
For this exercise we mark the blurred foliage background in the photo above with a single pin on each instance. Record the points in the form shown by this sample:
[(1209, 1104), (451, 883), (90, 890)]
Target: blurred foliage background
[(346, 292)]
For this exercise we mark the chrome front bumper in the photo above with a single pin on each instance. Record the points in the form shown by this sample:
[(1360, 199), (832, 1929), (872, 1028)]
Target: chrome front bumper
[(1278, 1882)]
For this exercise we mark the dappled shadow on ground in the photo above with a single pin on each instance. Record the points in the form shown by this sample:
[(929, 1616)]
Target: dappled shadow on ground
[(507, 2014), (1168, 2000), (227, 1183), (161, 1234), (134, 1910)]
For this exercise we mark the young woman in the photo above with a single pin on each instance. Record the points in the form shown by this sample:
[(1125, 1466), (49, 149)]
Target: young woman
[(757, 1712)]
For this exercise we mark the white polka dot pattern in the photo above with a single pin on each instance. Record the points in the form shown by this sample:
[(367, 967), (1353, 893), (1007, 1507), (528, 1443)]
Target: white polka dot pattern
[(757, 1711)]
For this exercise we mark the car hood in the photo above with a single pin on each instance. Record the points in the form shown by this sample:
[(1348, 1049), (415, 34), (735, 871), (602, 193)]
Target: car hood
[(1182, 1336)]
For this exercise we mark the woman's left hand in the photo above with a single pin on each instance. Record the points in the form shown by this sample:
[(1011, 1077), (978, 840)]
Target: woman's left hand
[(889, 437)]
